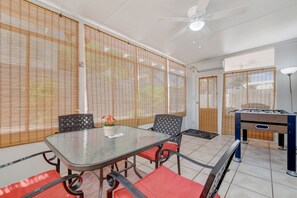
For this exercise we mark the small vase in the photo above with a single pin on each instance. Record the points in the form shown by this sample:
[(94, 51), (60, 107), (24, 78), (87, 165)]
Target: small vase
[(109, 130)]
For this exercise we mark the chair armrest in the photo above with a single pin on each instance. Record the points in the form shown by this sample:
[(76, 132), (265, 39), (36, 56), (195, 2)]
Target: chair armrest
[(179, 136), (30, 156), (166, 157), (71, 190), (113, 180)]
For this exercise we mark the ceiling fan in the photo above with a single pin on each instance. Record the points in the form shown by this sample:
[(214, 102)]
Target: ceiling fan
[(198, 16)]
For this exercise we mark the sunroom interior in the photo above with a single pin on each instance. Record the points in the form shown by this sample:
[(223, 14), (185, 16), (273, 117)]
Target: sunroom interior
[(134, 59)]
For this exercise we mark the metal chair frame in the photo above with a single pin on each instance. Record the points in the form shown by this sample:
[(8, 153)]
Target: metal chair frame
[(171, 125), (72, 188), (211, 187)]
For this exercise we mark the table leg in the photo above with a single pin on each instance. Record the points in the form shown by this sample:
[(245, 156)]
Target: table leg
[(101, 179), (281, 141), (134, 167), (244, 136), (291, 151), (237, 137)]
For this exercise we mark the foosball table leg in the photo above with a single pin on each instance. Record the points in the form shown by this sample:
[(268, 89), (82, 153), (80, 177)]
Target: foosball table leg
[(281, 142), (244, 136)]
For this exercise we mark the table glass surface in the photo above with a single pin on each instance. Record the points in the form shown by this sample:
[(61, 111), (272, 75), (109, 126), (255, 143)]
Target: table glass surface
[(90, 148)]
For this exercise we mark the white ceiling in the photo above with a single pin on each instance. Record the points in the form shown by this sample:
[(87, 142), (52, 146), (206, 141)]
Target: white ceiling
[(264, 22)]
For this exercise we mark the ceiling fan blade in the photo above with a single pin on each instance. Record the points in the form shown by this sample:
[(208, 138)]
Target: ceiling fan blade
[(175, 19), (201, 6), (179, 33), (226, 13)]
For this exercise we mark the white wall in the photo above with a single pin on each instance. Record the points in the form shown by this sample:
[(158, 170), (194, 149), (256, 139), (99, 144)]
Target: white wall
[(26, 168), (286, 56)]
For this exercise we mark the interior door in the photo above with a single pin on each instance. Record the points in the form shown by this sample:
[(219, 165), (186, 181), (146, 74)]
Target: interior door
[(208, 105)]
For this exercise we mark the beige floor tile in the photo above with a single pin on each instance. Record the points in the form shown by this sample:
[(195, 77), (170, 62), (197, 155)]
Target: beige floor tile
[(201, 178), (199, 141), (201, 156), (253, 183), (280, 166), (187, 137), (256, 161), (186, 172), (255, 171), (214, 160), (145, 169), (284, 179), (257, 154), (229, 176), (169, 164), (191, 165), (234, 165), (149, 164), (186, 151), (206, 171), (224, 188), (173, 159), (279, 157), (209, 150), (280, 191), (140, 160), (190, 145), (239, 192)]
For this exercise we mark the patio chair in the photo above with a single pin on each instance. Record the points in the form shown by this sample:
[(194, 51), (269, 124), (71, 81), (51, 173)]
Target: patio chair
[(75, 122), (169, 124), (163, 182), (46, 184)]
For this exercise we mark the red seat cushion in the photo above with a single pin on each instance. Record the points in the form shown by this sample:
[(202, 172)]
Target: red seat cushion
[(151, 153), (32, 183), (164, 183)]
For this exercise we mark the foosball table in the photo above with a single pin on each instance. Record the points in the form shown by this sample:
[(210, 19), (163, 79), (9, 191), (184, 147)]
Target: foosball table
[(277, 121)]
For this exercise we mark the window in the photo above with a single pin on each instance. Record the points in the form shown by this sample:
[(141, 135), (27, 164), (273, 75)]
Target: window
[(39, 75), (38, 71), (177, 88), (111, 77), (129, 82), (152, 86), (248, 89)]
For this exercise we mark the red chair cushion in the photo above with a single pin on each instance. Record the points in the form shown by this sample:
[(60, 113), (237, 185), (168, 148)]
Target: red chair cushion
[(26, 186), (164, 183), (151, 153)]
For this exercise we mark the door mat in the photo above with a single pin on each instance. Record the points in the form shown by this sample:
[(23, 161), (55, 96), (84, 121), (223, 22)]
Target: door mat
[(200, 134)]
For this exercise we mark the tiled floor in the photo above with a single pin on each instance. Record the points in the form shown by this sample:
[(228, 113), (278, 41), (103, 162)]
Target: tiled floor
[(262, 172)]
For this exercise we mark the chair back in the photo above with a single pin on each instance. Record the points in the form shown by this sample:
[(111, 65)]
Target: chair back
[(75, 122), (218, 173), (169, 124)]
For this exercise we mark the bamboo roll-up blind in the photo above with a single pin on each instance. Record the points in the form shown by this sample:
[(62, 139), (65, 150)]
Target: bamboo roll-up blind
[(111, 70), (152, 86), (38, 71), (177, 88), (248, 89)]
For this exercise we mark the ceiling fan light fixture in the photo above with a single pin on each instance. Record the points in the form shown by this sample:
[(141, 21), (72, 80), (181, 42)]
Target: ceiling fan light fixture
[(196, 25)]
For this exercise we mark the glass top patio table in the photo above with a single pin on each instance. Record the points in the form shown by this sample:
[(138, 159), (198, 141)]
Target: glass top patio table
[(90, 149)]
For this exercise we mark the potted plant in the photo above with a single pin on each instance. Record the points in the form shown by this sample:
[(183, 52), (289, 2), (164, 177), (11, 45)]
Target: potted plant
[(108, 126)]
